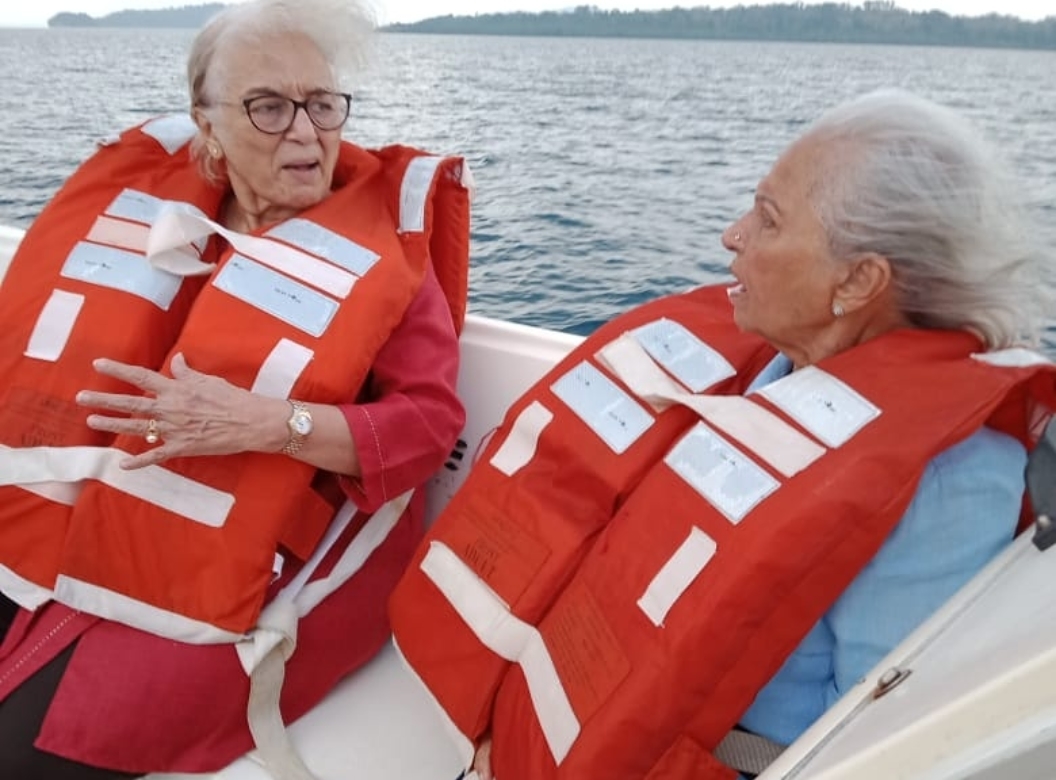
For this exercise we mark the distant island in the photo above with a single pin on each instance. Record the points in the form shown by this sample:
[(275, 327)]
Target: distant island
[(875, 21)]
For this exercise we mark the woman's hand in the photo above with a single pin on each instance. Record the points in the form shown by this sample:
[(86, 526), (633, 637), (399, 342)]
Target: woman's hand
[(192, 413), (482, 760)]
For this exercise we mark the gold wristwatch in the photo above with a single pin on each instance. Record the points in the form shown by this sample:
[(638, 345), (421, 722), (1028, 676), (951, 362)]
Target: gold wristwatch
[(300, 427)]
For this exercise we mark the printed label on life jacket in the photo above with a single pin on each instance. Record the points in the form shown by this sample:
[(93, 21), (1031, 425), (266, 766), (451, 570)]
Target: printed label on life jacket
[(120, 270), (606, 409), (499, 550), (584, 649), (30, 417), (278, 295), (828, 408), (730, 481), (692, 362), (314, 238)]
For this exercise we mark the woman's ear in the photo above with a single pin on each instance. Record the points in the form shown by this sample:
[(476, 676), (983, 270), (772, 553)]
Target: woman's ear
[(865, 280)]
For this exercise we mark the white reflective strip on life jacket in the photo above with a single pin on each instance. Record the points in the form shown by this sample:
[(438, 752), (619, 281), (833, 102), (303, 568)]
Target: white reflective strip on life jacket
[(95, 600), (54, 326), (504, 634), (120, 270), (26, 594), (695, 364), (676, 575), (311, 237), (281, 369), (178, 225), (763, 432), (1013, 357), (414, 192), (827, 407), (171, 131), (520, 445), (269, 291), (156, 485), (120, 233), (617, 418), (727, 478), (60, 492)]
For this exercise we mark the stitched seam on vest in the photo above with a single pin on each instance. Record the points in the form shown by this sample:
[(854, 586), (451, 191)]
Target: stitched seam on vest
[(33, 650), (381, 455)]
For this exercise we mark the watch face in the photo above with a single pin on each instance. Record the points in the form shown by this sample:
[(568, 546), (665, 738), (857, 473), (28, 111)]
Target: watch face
[(302, 423)]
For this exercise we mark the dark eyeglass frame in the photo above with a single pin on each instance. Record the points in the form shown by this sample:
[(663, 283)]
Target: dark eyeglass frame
[(247, 105)]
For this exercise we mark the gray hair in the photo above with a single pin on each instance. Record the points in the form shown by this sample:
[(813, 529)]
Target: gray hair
[(341, 29), (908, 179)]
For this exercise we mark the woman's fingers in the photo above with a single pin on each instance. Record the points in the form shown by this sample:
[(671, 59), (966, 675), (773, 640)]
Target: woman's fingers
[(143, 378), (482, 761), (116, 402)]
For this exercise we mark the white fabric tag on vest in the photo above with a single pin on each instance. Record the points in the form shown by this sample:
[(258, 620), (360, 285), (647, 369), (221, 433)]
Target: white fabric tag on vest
[(827, 407), (120, 270), (281, 369), (694, 363), (676, 575), (278, 295), (171, 131), (1013, 357), (521, 442), (607, 410), (509, 637), (120, 233), (727, 478), (314, 238), (763, 432), (156, 485), (414, 192), (54, 326)]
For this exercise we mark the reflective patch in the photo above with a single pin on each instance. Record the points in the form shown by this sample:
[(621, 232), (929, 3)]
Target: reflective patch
[(120, 270), (54, 326), (281, 369), (729, 480), (172, 131), (278, 295), (316, 239), (607, 410), (26, 594), (414, 192), (1014, 357), (676, 575), (120, 233), (692, 362), (827, 407), (521, 442)]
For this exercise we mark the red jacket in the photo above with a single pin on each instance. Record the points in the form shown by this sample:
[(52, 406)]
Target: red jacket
[(106, 709)]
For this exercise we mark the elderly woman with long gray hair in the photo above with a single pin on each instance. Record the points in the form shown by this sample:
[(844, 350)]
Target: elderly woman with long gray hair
[(787, 474), (227, 364)]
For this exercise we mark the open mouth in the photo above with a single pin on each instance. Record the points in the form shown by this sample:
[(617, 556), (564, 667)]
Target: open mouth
[(735, 291)]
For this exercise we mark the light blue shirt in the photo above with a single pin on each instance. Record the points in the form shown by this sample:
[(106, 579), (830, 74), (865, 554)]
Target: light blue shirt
[(964, 512)]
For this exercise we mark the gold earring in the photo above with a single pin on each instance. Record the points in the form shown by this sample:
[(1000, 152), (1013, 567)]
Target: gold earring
[(214, 150)]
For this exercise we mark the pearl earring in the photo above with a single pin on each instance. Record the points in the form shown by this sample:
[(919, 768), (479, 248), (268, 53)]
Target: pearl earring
[(837, 309), (214, 150)]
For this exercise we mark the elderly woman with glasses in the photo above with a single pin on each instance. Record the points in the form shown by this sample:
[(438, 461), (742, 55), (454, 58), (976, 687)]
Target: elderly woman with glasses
[(228, 360)]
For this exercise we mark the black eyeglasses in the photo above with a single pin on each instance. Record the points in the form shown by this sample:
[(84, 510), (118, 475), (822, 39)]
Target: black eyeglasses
[(275, 114)]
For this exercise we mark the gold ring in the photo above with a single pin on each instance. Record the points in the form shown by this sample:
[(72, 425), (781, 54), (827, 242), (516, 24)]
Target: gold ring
[(152, 431)]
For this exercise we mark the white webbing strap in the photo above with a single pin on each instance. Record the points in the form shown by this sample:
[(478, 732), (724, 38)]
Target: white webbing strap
[(179, 224), (26, 594), (265, 651), (27, 466), (506, 635), (770, 437)]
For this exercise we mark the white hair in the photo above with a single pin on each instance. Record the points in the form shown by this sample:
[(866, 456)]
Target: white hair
[(908, 179), (341, 29)]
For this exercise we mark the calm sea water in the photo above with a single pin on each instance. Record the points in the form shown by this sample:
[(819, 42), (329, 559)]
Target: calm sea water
[(606, 169)]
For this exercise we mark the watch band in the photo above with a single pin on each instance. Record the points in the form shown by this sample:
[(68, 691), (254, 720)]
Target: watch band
[(300, 413)]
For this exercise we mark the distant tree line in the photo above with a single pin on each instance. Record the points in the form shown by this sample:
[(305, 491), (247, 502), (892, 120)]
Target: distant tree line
[(193, 16), (877, 21)]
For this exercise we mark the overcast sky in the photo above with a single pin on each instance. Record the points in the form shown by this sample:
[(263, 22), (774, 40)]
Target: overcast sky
[(17, 13)]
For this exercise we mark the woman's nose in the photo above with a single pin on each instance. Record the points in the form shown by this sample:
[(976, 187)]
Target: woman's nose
[(731, 237)]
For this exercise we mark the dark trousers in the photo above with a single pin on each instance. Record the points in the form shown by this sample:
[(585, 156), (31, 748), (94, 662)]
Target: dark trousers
[(21, 715)]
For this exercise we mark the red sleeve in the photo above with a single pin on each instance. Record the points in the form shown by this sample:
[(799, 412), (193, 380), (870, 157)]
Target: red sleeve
[(410, 423)]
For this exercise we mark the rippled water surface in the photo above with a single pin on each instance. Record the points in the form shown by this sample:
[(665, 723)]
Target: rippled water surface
[(605, 169)]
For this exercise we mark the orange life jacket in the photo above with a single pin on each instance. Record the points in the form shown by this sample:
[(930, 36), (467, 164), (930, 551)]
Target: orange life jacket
[(714, 564), (299, 311), (78, 288)]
